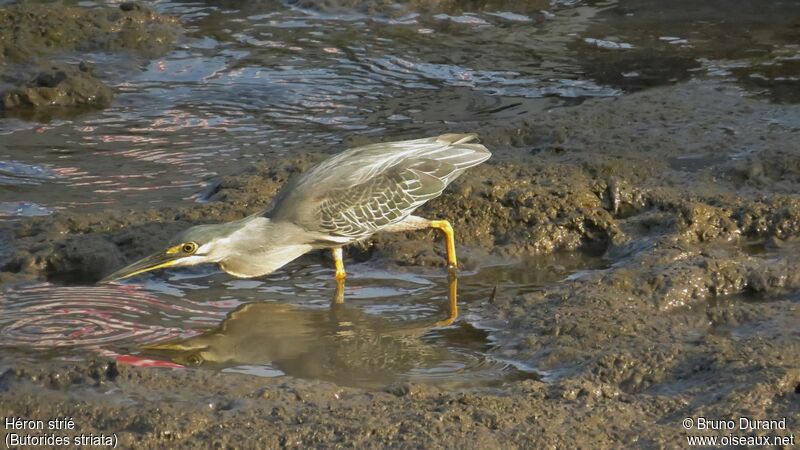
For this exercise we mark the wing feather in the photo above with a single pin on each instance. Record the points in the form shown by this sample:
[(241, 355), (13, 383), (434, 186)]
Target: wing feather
[(356, 193)]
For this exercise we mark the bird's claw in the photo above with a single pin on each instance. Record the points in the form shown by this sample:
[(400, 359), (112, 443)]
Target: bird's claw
[(445, 323)]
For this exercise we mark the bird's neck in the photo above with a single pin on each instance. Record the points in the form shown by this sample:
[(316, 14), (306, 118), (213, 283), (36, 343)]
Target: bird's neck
[(256, 234), (259, 246)]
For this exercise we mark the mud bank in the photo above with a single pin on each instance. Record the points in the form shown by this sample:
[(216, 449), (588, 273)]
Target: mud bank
[(35, 38), (690, 194), (60, 86)]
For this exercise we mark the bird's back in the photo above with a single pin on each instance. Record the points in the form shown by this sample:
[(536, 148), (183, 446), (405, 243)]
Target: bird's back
[(361, 190)]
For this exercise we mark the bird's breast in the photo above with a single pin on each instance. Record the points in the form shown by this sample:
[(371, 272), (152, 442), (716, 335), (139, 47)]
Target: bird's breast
[(262, 262)]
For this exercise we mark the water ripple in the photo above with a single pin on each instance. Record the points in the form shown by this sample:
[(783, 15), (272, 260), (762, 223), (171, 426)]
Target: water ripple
[(46, 316)]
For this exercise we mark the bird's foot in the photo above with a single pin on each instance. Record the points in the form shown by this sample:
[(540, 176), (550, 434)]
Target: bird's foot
[(446, 322), (338, 296)]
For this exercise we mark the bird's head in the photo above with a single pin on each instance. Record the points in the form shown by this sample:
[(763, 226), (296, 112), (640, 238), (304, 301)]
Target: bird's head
[(197, 245)]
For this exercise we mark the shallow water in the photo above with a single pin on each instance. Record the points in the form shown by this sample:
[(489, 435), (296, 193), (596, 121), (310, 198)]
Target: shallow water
[(250, 80), (391, 327)]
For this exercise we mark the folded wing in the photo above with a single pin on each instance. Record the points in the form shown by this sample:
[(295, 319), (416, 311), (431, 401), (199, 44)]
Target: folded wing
[(356, 193)]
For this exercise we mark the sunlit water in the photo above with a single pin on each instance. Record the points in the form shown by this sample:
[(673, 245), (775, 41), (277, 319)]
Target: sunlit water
[(388, 329), (253, 79)]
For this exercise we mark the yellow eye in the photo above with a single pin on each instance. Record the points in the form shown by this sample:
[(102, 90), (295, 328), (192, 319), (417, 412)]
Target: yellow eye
[(189, 248)]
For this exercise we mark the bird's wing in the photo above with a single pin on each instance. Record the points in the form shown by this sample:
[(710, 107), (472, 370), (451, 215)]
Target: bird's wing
[(361, 190)]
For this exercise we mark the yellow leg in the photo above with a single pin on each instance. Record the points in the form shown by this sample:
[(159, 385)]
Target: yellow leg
[(338, 297), (337, 259), (452, 296), (449, 235)]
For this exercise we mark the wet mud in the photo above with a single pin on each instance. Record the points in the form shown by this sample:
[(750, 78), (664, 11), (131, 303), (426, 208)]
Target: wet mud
[(688, 194), (38, 40), (59, 87), (631, 247)]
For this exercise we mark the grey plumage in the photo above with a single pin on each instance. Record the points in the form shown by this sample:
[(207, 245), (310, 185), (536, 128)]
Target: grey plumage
[(362, 190), (344, 199)]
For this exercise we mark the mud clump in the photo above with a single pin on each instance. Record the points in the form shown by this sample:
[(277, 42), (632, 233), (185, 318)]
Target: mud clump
[(81, 258), (28, 30), (31, 34), (59, 86)]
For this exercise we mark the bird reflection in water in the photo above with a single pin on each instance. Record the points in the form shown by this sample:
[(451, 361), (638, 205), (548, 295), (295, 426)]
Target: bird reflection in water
[(340, 344)]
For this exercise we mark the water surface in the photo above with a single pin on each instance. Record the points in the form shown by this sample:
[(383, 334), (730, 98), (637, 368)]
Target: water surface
[(392, 326), (252, 80)]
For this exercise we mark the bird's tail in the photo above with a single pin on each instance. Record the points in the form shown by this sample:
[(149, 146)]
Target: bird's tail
[(460, 151), (457, 138)]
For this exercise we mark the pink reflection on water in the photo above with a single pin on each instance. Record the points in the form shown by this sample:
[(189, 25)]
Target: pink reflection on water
[(47, 316), (133, 360), (107, 138)]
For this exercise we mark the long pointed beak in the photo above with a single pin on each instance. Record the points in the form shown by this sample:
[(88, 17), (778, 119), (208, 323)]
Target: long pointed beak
[(155, 261), (175, 346)]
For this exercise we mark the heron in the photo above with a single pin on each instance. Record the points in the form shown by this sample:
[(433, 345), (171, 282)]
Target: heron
[(342, 200)]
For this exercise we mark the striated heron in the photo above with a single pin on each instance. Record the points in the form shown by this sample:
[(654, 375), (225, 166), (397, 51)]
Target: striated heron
[(344, 199)]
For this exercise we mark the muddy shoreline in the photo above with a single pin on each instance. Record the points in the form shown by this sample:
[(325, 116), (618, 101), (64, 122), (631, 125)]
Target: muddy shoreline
[(688, 191), (36, 80)]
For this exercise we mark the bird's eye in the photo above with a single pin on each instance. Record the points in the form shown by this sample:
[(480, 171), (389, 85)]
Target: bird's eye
[(189, 248)]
